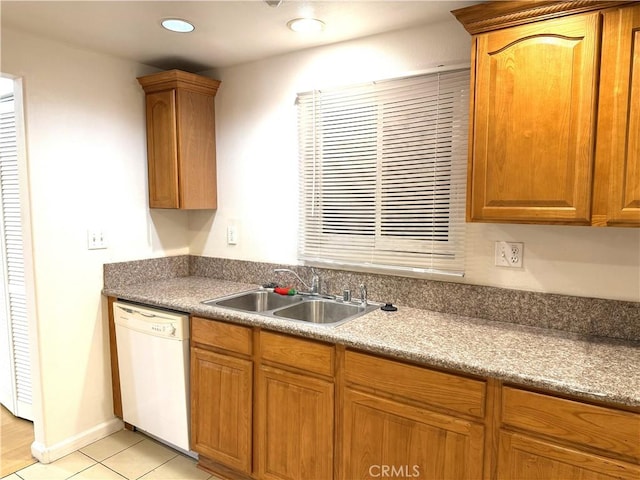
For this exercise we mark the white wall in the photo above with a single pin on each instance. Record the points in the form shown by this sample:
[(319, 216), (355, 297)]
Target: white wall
[(86, 153), (257, 171), (256, 132)]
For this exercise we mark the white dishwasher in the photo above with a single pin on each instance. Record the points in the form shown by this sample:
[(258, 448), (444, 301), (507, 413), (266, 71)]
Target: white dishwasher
[(153, 360)]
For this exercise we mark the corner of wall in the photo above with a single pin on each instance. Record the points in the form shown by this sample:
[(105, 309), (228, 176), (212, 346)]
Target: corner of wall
[(50, 453)]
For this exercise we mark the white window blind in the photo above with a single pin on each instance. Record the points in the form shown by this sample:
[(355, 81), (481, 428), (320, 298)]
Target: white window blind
[(383, 174), (13, 257)]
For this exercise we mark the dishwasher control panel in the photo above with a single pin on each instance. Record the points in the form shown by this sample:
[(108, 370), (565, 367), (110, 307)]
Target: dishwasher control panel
[(167, 329), (162, 323)]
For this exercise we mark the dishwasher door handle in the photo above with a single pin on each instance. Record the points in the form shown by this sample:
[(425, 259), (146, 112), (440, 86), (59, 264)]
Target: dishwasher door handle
[(132, 311)]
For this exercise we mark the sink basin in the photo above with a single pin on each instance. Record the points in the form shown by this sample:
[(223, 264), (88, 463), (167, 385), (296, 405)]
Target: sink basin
[(320, 311), (255, 301), (299, 308)]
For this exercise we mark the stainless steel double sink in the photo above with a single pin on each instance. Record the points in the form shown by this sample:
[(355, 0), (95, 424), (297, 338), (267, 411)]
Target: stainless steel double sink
[(300, 307)]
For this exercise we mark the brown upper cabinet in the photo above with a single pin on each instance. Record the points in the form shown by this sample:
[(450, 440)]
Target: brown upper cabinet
[(181, 146), (618, 144), (555, 130)]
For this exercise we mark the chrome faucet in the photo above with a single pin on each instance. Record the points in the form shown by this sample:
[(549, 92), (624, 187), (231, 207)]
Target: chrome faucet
[(315, 282), (363, 294), (314, 289)]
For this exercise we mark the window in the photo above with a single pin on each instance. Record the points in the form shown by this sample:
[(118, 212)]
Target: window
[(383, 174)]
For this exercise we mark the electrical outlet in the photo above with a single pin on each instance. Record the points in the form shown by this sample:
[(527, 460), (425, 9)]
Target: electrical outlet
[(509, 254)]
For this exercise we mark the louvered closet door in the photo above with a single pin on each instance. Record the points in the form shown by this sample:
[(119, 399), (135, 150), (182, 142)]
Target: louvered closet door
[(13, 303)]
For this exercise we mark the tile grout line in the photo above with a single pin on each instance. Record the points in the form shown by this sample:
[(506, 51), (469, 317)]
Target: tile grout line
[(90, 466), (143, 439), (113, 454), (155, 468), (101, 462)]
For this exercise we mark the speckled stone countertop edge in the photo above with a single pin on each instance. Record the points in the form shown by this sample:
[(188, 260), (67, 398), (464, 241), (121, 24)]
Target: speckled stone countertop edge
[(565, 363)]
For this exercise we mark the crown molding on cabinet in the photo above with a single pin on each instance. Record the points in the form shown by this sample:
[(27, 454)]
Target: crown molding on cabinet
[(490, 16), (179, 79)]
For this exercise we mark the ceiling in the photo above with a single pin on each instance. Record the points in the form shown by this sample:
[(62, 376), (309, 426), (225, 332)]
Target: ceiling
[(226, 32)]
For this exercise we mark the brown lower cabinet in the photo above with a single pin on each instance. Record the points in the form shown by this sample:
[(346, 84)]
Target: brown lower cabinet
[(405, 421), (222, 394), (294, 408), (524, 457), (386, 438), (222, 400), (295, 425), (542, 437), (267, 405)]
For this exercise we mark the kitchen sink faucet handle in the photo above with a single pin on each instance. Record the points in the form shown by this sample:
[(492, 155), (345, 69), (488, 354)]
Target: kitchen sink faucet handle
[(315, 281), (346, 295), (363, 294)]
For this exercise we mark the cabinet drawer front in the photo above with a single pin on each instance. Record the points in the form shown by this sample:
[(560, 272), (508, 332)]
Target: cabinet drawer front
[(448, 391), (597, 427), (227, 336), (519, 453), (295, 352)]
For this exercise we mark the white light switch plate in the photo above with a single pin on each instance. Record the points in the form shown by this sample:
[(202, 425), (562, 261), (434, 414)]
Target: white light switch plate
[(96, 239), (232, 235)]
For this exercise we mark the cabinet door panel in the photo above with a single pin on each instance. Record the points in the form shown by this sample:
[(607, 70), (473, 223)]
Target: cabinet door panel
[(383, 438), (525, 458), (221, 402), (618, 152), (534, 121), (197, 150), (162, 150), (295, 426)]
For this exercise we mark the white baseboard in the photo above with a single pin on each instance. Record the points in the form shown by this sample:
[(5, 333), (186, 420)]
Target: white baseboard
[(50, 453)]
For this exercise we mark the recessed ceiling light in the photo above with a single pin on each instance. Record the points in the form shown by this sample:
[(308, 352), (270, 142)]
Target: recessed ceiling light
[(177, 25), (306, 25)]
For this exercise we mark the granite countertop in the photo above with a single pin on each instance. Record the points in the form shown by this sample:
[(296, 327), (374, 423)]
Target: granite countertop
[(593, 368)]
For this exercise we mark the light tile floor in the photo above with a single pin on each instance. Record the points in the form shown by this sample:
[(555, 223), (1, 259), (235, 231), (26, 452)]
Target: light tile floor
[(123, 455)]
